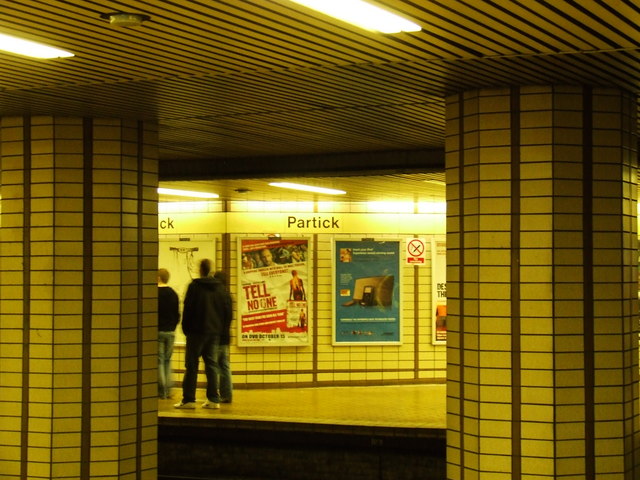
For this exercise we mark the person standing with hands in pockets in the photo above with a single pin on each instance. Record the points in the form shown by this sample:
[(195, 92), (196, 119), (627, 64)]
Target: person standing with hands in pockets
[(205, 307), (226, 383)]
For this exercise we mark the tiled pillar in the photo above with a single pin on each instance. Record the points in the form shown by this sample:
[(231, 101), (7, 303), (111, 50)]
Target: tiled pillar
[(542, 284), (78, 260)]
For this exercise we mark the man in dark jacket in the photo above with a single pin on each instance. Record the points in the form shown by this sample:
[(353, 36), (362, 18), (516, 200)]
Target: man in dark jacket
[(205, 307), (168, 318), (226, 384)]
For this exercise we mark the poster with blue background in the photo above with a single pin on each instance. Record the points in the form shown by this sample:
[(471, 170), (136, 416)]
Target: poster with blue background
[(367, 292)]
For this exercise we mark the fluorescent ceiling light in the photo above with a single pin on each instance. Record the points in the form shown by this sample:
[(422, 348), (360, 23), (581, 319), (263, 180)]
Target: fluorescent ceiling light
[(390, 207), (432, 207), (436, 182), (186, 193), (261, 206), (362, 14), (28, 48), (308, 188)]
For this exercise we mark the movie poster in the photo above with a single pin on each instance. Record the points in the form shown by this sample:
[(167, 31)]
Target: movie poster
[(273, 292), (367, 292), (439, 289)]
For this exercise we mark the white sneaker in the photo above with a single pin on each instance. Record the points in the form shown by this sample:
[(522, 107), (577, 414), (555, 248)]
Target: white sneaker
[(185, 405), (209, 404)]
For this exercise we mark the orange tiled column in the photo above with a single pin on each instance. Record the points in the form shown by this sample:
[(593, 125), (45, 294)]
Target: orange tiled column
[(542, 284), (78, 259)]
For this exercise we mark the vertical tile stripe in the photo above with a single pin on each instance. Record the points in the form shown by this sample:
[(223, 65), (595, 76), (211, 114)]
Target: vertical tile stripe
[(140, 307), (631, 144), (87, 295), (416, 313), (416, 320), (587, 248), (26, 292), (226, 254), (461, 282), (516, 347), (314, 324)]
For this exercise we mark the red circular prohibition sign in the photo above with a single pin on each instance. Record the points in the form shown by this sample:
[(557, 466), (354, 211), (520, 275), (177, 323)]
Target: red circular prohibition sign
[(415, 247)]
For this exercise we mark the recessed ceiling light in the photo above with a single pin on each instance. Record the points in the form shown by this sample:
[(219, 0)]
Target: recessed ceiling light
[(20, 46), (122, 19), (308, 188), (186, 193), (362, 14)]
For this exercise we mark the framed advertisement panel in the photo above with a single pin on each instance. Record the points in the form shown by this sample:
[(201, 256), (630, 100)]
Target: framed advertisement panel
[(273, 306), (366, 292), (182, 258), (439, 289)]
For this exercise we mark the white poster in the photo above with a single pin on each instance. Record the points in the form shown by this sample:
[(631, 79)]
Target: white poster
[(182, 259)]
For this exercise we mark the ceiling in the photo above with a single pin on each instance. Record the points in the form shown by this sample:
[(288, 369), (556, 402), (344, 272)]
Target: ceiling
[(406, 188), (251, 83)]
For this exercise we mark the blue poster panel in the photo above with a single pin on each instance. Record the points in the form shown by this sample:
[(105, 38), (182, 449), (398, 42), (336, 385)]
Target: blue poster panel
[(367, 292)]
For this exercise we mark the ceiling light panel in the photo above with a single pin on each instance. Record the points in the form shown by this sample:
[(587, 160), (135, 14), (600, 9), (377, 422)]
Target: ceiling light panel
[(362, 14), (27, 48), (308, 188), (186, 193)]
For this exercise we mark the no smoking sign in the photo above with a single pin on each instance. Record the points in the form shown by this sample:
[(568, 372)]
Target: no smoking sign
[(416, 251)]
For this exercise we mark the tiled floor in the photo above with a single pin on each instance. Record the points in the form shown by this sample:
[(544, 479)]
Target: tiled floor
[(410, 406)]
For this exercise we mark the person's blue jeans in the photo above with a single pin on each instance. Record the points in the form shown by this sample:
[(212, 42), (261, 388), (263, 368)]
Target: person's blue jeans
[(226, 384), (205, 346), (165, 350)]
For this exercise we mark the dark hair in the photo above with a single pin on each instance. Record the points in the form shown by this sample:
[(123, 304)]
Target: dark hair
[(221, 277), (205, 267), (163, 275)]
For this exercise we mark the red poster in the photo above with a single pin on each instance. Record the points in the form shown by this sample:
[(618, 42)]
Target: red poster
[(272, 295)]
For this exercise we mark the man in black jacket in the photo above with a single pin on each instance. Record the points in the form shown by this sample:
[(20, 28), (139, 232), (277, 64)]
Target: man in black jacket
[(205, 308), (168, 318), (226, 383)]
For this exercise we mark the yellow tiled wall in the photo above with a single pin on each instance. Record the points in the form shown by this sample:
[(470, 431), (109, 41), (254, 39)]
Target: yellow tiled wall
[(542, 284), (78, 341)]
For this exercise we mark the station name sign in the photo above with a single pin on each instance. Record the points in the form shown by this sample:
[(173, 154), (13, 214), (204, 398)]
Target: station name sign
[(295, 222), (307, 223)]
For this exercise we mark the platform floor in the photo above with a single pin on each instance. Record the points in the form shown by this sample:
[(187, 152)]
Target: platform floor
[(401, 406)]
